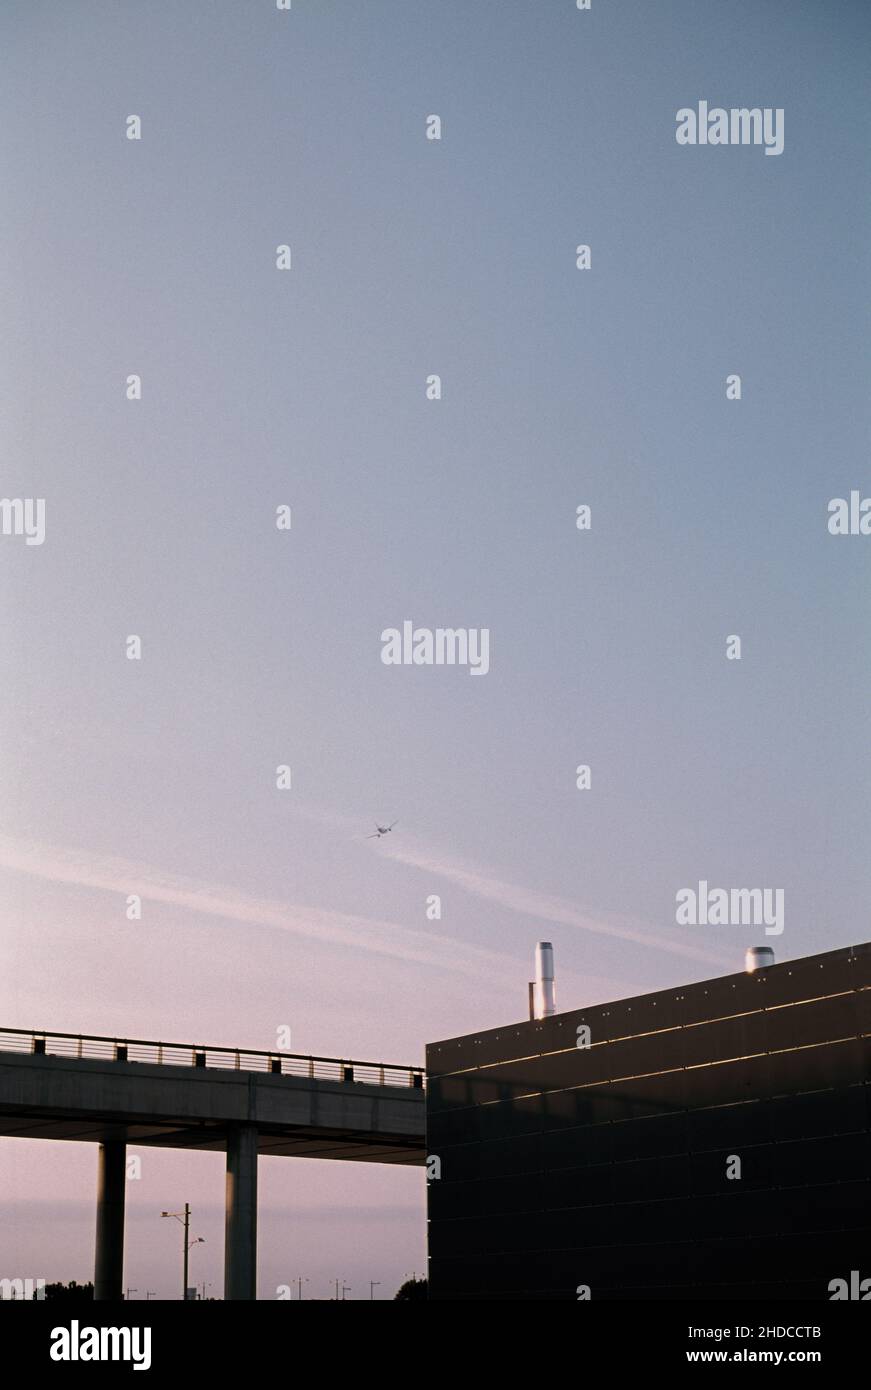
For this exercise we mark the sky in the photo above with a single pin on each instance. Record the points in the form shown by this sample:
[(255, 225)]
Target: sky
[(265, 908)]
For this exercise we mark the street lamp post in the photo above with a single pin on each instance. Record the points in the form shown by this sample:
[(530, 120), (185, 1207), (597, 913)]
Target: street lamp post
[(185, 1219)]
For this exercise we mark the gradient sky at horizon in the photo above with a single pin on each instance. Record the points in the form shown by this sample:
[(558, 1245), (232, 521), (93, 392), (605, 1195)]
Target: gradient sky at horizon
[(267, 908)]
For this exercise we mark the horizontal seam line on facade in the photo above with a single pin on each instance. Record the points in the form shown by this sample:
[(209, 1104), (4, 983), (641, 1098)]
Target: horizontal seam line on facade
[(643, 1076), (650, 1033)]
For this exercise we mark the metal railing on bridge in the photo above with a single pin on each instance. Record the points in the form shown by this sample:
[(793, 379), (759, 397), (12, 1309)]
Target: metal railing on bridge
[(221, 1058)]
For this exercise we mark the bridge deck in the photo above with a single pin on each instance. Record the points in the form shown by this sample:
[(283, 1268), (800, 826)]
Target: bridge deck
[(95, 1090)]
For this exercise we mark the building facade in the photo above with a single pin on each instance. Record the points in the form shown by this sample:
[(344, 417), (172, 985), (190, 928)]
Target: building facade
[(707, 1142)]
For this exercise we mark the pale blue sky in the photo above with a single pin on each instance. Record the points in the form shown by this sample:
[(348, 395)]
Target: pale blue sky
[(307, 388)]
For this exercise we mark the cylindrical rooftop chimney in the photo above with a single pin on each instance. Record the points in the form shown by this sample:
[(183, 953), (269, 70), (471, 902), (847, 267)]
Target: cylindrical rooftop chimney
[(545, 993), (757, 957)]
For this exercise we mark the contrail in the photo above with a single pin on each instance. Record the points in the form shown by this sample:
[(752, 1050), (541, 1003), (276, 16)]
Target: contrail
[(529, 902), (543, 906), (115, 875)]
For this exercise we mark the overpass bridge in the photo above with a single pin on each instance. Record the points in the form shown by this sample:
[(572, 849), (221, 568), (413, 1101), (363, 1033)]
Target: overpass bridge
[(115, 1092)]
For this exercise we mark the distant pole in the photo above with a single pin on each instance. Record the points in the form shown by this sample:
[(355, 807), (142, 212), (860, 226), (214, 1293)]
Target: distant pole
[(185, 1219), (373, 1284), (187, 1227)]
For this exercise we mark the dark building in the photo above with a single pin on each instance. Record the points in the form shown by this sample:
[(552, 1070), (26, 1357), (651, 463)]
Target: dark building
[(608, 1165)]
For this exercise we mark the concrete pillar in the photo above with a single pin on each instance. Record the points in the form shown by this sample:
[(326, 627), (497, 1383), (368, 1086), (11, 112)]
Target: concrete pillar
[(109, 1253), (240, 1229)]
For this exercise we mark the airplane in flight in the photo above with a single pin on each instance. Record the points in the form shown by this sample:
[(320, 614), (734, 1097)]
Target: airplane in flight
[(381, 830)]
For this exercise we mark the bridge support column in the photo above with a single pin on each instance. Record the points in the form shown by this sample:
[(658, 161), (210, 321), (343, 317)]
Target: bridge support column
[(109, 1252), (240, 1229)]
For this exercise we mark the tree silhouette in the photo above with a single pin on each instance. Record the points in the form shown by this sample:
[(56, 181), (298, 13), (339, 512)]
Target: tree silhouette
[(412, 1288), (70, 1291)]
